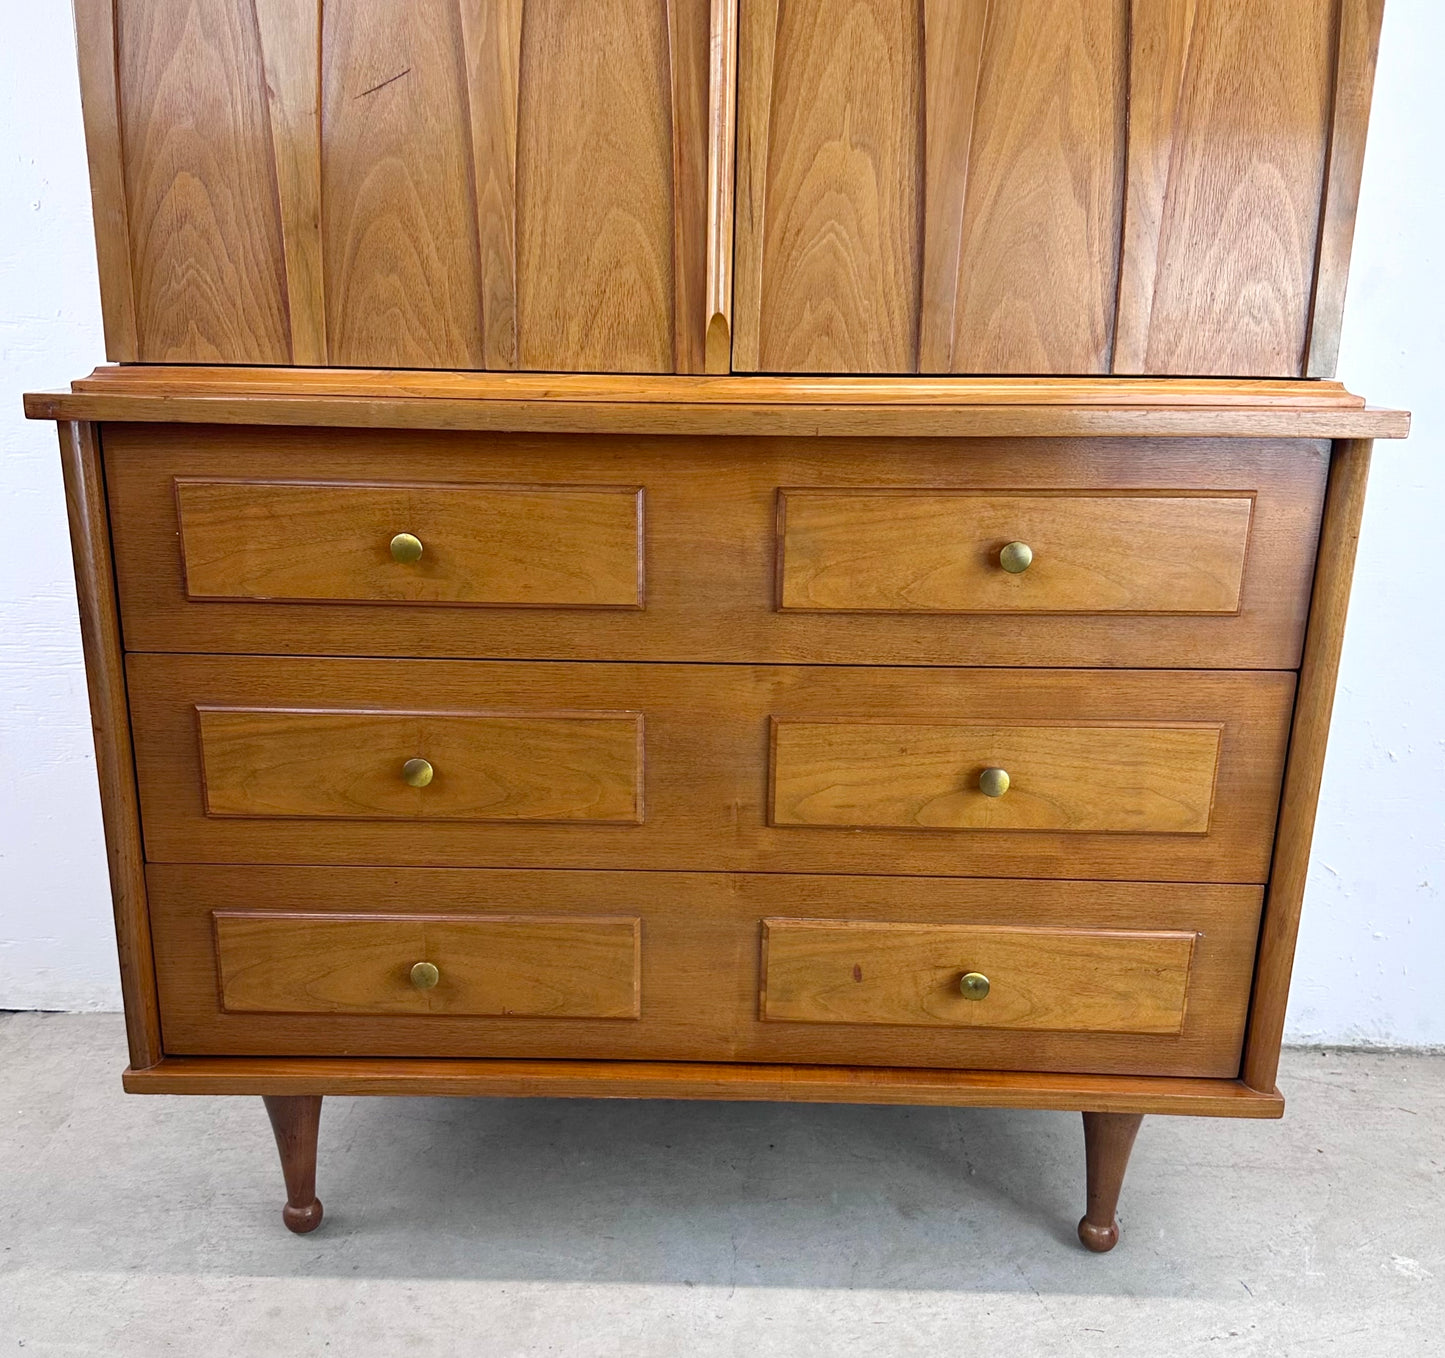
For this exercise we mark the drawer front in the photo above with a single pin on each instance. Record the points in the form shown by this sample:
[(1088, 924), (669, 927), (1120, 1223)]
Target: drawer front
[(920, 552), (1165, 554), (471, 766), (1153, 778), (1144, 775), (406, 542), (959, 976), (272, 963), (316, 961)]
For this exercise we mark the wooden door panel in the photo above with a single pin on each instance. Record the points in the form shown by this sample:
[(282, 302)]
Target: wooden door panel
[(1229, 131), (428, 184)]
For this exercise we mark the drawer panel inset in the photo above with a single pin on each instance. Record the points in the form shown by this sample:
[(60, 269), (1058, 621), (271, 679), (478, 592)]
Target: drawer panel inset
[(566, 967), (482, 766), (972, 976), (904, 551), (429, 543), (1115, 776)]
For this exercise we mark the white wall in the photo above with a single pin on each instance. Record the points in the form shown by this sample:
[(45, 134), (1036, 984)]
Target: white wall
[(1372, 956)]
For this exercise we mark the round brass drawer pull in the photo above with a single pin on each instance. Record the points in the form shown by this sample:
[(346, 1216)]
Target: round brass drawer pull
[(406, 548), (973, 985), (424, 975), (417, 772), (993, 782), (1016, 558)]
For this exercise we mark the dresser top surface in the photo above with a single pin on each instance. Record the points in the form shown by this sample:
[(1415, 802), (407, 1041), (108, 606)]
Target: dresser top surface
[(839, 406)]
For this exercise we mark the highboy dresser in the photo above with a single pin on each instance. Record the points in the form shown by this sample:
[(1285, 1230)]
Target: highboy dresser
[(744, 549)]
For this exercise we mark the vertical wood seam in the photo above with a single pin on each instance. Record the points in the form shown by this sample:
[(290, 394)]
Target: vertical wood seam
[(678, 189), (1122, 167), (1331, 151)]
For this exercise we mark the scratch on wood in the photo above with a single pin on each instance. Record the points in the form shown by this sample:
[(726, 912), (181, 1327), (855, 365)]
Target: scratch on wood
[(390, 80)]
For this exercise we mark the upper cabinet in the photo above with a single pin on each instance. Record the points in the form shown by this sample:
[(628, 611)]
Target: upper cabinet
[(806, 186), (1047, 186), (401, 183)]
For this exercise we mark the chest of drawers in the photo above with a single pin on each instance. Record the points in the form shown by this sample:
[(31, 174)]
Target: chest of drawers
[(945, 739)]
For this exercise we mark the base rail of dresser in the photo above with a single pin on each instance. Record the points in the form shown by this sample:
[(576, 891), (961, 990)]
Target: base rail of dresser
[(509, 1078)]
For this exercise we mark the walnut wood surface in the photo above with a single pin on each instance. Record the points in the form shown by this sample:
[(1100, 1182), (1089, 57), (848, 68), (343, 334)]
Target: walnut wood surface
[(1149, 778), (1053, 980), (272, 963), (1044, 186), (1309, 737), (513, 183), (701, 957), (702, 1080), (573, 546), (1108, 1140), (100, 636), (711, 546), (512, 766), (908, 551), (707, 731), (296, 1120)]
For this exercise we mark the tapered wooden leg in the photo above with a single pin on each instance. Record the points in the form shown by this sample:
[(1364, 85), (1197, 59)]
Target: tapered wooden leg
[(1108, 1139), (296, 1119)]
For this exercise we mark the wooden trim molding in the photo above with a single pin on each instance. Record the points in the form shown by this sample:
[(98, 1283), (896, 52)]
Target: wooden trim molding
[(701, 1080), (721, 170), (110, 719), (1314, 701), (752, 406)]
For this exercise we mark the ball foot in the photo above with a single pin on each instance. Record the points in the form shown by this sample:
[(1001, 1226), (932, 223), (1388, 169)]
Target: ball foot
[(302, 1220), (1099, 1239)]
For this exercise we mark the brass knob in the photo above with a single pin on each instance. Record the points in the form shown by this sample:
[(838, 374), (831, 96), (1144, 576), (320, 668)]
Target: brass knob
[(993, 782), (418, 773), (973, 986), (1016, 558), (406, 548), (424, 975)]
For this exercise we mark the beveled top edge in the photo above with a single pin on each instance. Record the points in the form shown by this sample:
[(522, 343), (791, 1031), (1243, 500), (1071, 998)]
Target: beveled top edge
[(737, 405)]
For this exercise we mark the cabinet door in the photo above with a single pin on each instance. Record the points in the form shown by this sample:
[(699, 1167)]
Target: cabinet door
[(1047, 186), (416, 183)]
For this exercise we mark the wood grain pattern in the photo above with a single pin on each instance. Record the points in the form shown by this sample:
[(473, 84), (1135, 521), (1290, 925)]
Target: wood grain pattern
[(497, 766), (1034, 279), (1066, 777), (492, 50), (1065, 980), (272, 963), (711, 546), (840, 246), (399, 226), (289, 32), (1358, 44), (915, 551), (702, 1080), (707, 759), (701, 963), (1229, 124), (487, 545), (594, 188), (1309, 736), (100, 637), (205, 232), (96, 50)]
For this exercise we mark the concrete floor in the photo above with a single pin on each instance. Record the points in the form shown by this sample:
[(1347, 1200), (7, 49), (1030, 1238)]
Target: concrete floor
[(150, 1226)]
